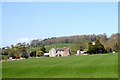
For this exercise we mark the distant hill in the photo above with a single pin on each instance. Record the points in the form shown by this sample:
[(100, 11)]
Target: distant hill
[(81, 40)]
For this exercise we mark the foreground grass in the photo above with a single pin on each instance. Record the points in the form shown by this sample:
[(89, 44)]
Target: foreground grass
[(86, 66)]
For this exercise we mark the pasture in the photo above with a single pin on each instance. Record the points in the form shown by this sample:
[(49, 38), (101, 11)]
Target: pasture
[(48, 47), (73, 47), (83, 66)]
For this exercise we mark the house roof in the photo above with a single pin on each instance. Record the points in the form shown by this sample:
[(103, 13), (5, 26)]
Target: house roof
[(60, 49)]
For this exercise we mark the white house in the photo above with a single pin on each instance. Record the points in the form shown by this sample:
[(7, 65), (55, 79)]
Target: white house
[(52, 52), (59, 52)]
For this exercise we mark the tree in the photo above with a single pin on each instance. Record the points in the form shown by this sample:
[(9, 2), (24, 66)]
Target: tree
[(74, 48), (33, 54), (12, 52), (43, 49), (36, 43), (90, 47), (24, 54), (103, 40), (99, 48), (95, 47), (66, 40), (108, 50), (39, 53)]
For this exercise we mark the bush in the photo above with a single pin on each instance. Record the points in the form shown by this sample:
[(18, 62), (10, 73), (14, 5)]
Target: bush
[(96, 48), (24, 54), (39, 53), (4, 53), (108, 50), (4, 57), (74, 48), (33, 54), (43, 49)]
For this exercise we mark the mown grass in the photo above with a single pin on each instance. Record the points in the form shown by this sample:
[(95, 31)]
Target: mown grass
[(86, 66)]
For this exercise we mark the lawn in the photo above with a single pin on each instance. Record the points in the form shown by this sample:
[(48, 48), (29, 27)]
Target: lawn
[(84, 66)]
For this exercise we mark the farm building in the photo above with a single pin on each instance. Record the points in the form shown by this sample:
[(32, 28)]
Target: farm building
[(81, 52), (58, 52)]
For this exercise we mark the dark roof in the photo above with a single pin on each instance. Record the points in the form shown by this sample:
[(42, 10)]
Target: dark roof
[(60, 49)]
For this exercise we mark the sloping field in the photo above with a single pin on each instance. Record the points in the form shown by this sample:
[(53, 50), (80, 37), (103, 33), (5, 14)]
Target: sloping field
[(85, 66), (48, 47), (73, 47)]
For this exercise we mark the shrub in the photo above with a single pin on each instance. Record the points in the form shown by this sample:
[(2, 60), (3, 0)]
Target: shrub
[(43, 49), (4, 57), (24, 54), (95, 48), (39, 53), (108, 50)]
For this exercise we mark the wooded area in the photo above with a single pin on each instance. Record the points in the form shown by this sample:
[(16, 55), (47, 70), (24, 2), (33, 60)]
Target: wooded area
[(108, 42)]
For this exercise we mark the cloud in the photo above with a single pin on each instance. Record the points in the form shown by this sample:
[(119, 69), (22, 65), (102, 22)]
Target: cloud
[(25, 39)]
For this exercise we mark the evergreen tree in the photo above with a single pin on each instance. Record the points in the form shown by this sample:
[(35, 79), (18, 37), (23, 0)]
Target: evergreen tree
[(95, 48), (99, 48), (90, 47)]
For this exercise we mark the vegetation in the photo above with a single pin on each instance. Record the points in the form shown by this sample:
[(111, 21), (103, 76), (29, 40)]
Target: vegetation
[(43, 49), (96, 47), (113, 41), (39, 53), (85, 66), (103, 44), (73, 47), (89, 66), (48, 47), (108, 50), (15, 51)]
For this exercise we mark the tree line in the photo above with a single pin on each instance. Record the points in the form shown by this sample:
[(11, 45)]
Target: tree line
[(20, 50), (111, 42)]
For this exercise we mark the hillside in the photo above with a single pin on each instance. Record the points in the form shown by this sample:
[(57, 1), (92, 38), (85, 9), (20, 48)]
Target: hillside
[(86, 66), (48, 47), (111, 41), (73, 47)]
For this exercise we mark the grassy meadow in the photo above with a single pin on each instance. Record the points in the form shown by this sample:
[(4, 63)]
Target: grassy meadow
[(73, 47), (83, 66), (48, 47)]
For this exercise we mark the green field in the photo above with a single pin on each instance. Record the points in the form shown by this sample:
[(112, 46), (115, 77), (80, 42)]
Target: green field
[(48, 47), (73, 47), (84, 66)]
